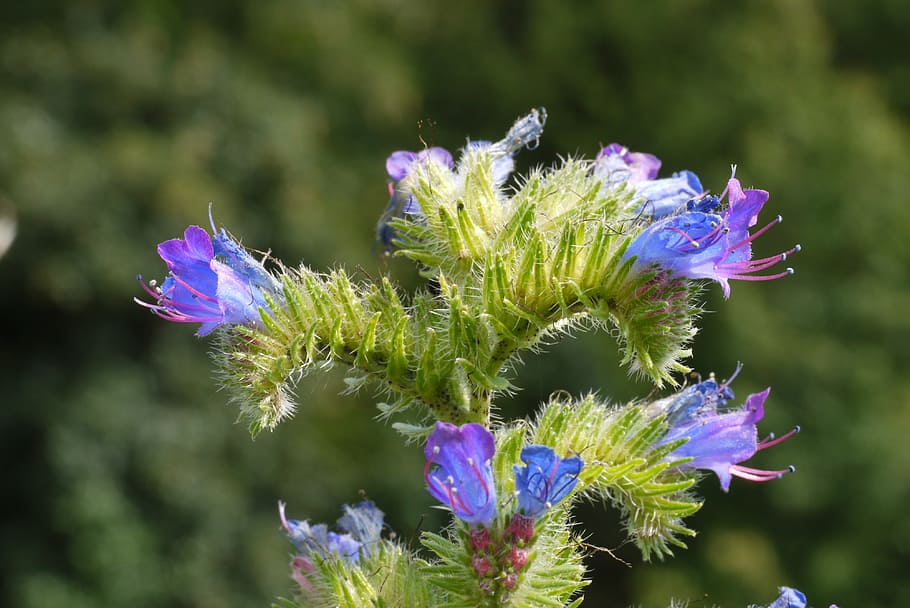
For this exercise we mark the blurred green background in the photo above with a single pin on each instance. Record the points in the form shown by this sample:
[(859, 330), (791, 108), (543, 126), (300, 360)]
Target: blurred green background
[(127, 482)]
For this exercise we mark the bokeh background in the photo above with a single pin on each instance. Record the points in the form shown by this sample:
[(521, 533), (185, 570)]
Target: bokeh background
[(126, 481)]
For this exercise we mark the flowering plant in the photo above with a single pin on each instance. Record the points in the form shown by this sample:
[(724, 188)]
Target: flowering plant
[(584, 244)]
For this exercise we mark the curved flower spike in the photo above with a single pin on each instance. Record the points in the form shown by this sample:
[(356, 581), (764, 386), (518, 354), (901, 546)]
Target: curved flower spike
[(212, 281), (458, 471), (701, 245), (545, 480)]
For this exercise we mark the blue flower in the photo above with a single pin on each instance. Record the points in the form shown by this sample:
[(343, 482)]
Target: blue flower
[(361, 525), (701, 245), (458, 471), (212, 281), (545, 480), (616, 165), (718, 438), (789, 598)]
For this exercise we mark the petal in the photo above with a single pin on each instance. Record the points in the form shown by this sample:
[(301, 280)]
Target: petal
[(238, 300), (398, 164), (789, 598), (438, 155), (198, 243)]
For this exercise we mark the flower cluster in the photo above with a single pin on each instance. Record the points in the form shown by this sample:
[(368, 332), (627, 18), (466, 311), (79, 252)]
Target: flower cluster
[(458, 473), (361, 525), (717, 438), (401, 164), (673, 229), (212, 280)]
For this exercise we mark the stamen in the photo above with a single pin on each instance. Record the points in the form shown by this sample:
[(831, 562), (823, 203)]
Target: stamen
[(193, 290), (759, 475), (211, 217), (771, 277), (284, 521), (683, 234), (756, 234), (772, 441)]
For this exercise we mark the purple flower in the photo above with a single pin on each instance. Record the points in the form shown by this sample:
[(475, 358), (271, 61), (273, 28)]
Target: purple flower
[(458, 472), (212, 281), (361, 525), (789, 598), (701, 245), (616, 165), (545, 480), (402, 163), (718, 438), (402, 203)]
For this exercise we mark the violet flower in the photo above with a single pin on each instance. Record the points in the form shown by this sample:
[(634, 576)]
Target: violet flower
[(789, 598), (458, 471), (545, 480), (616, 165), (399, 165), (212, 281), (718, 438), (700, 245)]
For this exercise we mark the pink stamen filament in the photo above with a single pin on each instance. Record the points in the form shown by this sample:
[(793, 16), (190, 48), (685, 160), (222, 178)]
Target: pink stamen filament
[(193, 290), (771, 441), (756, 234), (766, 277), (758, 475), (448, 488), (697, 243)]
